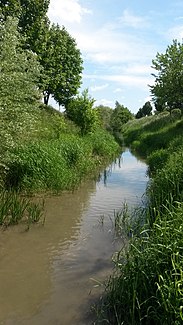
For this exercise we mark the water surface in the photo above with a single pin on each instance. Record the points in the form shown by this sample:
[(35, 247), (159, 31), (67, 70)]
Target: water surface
[(49, 275)]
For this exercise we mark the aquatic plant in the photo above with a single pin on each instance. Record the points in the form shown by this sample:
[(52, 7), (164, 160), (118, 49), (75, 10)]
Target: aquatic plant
[(15, 209)]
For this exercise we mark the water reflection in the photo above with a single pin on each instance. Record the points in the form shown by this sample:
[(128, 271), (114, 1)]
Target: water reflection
[(107, 172), (127, 177)]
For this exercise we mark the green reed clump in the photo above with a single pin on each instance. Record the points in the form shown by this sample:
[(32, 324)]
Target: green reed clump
[(14, 209), (123, 221), (157, 160), (56, 165), (146, 287), (167, 185), (40, 166), (35, 213)]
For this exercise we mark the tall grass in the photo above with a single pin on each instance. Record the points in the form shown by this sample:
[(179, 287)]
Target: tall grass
[(146, 287), (152, 133), (57, 165)]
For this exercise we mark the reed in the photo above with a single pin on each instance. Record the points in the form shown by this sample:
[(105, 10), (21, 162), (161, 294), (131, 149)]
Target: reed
[(146, 286), (59, 165), (15, 209)]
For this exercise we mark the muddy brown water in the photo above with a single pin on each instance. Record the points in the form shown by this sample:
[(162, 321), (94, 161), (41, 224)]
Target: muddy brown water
[(52, 274)]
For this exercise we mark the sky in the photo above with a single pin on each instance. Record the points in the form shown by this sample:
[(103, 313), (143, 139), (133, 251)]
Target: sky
[(118, 40)]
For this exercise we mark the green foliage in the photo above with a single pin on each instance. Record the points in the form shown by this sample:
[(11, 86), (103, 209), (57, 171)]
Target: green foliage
[(57, 165), (19, 76), (176, 112), (146, 287), (146, 110), (80, 110), (157, 159), (103, 144), (55, 48), (104, 113), (152, 133), (10, 8), (33, 21), (167, 90), (62, 66), (119, 117), (167, 184)]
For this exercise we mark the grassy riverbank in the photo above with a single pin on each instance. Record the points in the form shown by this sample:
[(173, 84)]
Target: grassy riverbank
[(48, 153), (146, 287)]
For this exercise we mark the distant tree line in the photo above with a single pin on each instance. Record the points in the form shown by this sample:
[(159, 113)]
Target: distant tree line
[(114, 119)]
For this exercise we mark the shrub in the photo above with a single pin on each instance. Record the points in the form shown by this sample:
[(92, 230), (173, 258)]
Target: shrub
[(176, 112)]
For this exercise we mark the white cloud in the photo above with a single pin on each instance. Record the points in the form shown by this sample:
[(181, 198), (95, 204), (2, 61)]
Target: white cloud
[(114, 55), (118, 90), (132, 20), (104, 102), (106, 46), (68, 10), (125, 80), (108, 43), (175, 32), (98, 88), (140, 69)]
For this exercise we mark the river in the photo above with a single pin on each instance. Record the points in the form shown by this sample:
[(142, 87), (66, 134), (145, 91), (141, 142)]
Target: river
[(52, 274)]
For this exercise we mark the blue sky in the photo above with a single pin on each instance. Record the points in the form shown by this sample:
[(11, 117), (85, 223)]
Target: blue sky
[(118, 40)]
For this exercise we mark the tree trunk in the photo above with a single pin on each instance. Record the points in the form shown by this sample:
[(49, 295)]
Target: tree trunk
[(46, 98)]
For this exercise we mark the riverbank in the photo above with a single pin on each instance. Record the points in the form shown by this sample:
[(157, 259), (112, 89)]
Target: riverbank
[(146, 287), (50, 156)]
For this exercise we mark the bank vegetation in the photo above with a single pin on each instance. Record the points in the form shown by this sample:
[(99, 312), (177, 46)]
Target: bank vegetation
[(41, 149), (146, 287)]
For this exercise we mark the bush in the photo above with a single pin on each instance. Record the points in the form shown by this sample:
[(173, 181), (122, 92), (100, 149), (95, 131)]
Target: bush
[(176, 112)]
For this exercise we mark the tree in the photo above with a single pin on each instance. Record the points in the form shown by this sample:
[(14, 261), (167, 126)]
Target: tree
[(62, 66), (10, 8), (80, 110), (32, 19), (19, 74), (146, 110), (119, 117), (167, 92), (104, 113), (56, 49)]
